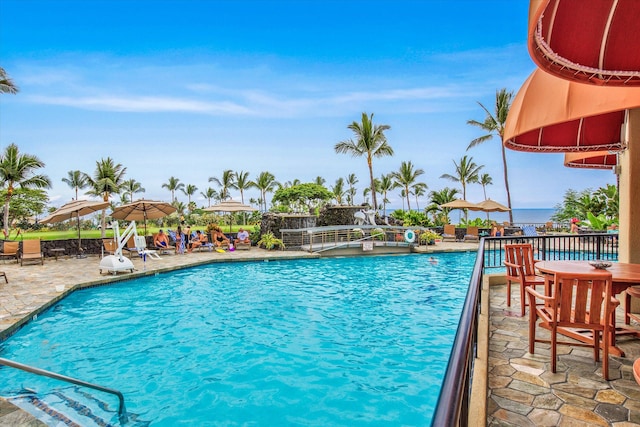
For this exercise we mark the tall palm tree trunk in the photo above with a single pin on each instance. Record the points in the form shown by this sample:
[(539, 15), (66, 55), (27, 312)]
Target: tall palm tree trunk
[(373, 185), (506, 183)]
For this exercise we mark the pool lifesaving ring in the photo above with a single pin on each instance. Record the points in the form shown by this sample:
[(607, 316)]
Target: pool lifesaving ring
[(409, 236)]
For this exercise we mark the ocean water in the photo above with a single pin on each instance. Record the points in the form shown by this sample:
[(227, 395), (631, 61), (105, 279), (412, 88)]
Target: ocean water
[(520, 216)]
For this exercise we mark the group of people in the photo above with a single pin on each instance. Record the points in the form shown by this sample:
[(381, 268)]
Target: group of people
[(185, 240)]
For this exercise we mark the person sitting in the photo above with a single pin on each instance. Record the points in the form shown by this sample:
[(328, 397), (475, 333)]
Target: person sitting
[(574, 225), (497, 231), (219, 239), (161, 241), (242, 237), (195, 242)]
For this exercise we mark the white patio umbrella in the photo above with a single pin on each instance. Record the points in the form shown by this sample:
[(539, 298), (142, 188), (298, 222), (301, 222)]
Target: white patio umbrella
[(230, 206), (75, 209)]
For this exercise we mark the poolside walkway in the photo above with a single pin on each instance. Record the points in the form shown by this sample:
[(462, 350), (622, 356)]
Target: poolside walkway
[(524, 392)]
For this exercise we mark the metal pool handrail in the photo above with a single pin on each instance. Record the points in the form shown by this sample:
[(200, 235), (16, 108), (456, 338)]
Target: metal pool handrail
[(122, 411), (452, 408)]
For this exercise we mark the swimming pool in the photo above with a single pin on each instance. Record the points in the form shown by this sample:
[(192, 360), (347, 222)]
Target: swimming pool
[(351, 341)]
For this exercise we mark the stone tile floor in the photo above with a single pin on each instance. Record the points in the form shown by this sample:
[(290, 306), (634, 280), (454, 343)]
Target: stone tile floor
[(524, 392)]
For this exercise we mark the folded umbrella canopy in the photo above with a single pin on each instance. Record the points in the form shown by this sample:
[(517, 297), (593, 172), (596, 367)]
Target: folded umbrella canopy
[(142, 209), (75, 209)]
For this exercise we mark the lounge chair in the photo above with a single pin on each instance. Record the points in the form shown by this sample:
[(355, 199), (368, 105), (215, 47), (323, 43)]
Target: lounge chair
[(3, 274), (109, 246), (138, 245), (529, 230), (31, 251), (472, 234), (449, 233), (10, 250)]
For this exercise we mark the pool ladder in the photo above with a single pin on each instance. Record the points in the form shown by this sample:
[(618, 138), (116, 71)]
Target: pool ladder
[(122, 411)]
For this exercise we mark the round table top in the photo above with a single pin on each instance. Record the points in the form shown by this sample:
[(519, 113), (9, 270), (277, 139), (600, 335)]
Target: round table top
[(621, 272)]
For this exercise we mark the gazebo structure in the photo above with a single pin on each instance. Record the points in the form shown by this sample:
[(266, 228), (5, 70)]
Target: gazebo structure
[(594, 46)]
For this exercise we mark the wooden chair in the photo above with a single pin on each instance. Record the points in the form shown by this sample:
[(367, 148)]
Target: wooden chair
[(630, 292), (636, 370), (449, 233), (578, 301), (10, 250), (31, 250), (3, 274), (521, 269)]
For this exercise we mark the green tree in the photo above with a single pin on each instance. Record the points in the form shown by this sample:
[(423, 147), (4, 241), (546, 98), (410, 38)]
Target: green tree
[(370, 141), (189, 190), (466, 173), (493, 125), (76, 180), (384, 185), (6, 84), (484, 180), (351, 181), (209, 194), (338, 190), (419, 189), (107, 179), (266, 183), (173, 185), (131, 187), (438, 198), (19, 170), (406, 177), (242, 183), (319, 180), (303, 195), (227, 182), (25, 204)]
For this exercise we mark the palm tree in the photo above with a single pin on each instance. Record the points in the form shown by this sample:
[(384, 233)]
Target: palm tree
[(266, 183), (242, 183), (419, 188), (384, 185), (76, 180), (338, 190), (438, 198), (173, 185), (18, 169), (494, 124), (189, 191), (466, 173), (209, 194), (352, 180), (484, 180), (405, 177), (227, 182), (131, 187), (319, 180), (107, 179), (370, 142), (6, 84)]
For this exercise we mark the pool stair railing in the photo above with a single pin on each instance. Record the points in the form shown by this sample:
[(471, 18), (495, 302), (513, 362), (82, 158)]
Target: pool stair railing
[(41, 404)]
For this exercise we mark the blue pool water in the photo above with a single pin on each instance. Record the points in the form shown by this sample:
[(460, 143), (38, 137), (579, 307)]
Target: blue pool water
[(340, 342)]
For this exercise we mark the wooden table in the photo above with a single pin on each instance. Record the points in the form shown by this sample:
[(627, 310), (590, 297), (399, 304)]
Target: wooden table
[(56, 252), (623, 275)]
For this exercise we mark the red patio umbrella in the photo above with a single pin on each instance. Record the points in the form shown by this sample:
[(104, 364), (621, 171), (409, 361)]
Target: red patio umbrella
[(594, 41)]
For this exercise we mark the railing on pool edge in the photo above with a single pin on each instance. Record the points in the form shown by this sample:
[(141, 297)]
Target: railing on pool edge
[(555, 247), (452, 408), (122, 411)]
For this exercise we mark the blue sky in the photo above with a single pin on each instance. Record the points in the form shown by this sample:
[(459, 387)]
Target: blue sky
[(191, 88)]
